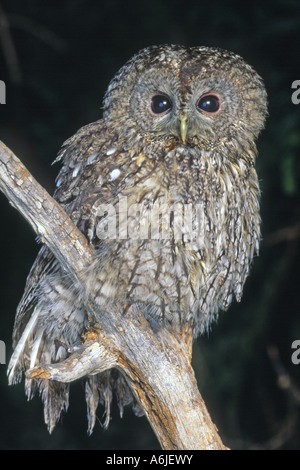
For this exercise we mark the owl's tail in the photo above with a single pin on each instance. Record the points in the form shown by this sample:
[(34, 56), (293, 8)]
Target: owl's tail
[(44, 342), (34, 347)]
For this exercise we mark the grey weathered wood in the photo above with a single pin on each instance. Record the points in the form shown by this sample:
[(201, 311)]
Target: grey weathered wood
[(157, 366)]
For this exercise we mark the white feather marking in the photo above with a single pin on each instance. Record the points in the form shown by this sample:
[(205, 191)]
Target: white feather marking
[(111, 151), (58, 182), (114, 174), (21, 345), (76, 170), (35, 349), (92, 157)]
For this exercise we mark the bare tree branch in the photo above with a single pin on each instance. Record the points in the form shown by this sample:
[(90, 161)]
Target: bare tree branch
[(44, 214), (157, 366)]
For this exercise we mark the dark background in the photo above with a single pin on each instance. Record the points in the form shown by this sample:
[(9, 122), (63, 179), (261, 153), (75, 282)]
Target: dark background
[(56, 59)]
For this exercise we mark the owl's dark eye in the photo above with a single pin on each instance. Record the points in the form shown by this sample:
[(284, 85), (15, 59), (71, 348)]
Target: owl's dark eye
[(160, 104), (208, 103)]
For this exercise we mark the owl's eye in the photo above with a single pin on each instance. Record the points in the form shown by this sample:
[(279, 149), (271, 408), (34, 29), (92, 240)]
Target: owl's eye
[(160, 104), (208, 103)]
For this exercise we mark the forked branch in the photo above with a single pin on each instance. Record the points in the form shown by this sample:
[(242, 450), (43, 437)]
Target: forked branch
[(157, 366)]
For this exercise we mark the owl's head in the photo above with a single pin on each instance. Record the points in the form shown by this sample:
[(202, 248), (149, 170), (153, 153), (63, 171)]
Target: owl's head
[(196, 96)]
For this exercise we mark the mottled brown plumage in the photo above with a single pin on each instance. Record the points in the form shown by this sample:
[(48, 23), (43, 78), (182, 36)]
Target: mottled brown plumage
[(178, 133)]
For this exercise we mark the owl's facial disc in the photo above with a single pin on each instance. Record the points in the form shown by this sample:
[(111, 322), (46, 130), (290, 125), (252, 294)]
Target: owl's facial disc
[(161, 105), (154, 106), (195, 96), (175, 111)]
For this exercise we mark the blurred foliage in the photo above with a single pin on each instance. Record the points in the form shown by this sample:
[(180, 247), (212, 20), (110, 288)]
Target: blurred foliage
[(56, 62)]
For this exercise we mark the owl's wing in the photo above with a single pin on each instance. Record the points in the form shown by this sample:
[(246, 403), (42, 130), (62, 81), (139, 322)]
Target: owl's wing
[(49, 317), (43, 265), (72, 185)]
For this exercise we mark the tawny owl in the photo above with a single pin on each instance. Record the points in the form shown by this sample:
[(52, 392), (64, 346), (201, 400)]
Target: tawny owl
[(164, 187)]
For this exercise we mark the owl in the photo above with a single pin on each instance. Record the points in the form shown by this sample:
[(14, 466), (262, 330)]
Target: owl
[(164, 187)]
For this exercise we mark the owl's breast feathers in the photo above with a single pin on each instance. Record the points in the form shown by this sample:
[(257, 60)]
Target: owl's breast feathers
[(175, 229)]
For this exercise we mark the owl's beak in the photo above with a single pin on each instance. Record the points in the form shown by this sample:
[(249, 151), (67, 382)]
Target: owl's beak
[(183, 127)]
